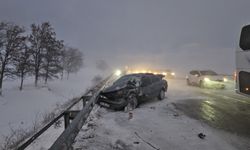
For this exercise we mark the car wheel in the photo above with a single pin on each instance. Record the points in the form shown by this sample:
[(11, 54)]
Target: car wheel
[(132, 103), (188, 82), (161, 95), (201, 84)]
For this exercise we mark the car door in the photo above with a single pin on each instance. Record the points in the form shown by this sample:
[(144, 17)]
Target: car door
[(146, 86), (156, 85)]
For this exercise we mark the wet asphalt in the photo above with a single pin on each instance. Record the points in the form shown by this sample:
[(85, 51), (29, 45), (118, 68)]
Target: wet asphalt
[(221, 110)]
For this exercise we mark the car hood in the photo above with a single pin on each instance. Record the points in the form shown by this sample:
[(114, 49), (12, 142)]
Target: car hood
[(214, 77), (113, 88)]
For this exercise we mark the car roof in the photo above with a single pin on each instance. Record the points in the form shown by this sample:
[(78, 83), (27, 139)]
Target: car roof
[(202, 70), (140, 74)]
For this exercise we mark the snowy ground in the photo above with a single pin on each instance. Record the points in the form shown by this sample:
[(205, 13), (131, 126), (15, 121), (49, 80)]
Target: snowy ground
[(155, 125), (21, 109)]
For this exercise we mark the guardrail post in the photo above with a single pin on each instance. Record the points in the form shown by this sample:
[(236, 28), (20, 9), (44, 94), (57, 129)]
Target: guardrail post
[(84, 100), (69, 115), (66, 120)]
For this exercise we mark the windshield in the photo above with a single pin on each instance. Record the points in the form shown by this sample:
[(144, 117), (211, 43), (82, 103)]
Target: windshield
[(124, 80), (208, 72)]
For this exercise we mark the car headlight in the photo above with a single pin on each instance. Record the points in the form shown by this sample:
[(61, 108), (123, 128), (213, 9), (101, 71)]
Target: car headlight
[(118, 72), (164, 73), (206, 79), (225, 79), (172, 73)]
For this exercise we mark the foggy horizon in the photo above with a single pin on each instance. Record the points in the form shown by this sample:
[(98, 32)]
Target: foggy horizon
[(164, 34)]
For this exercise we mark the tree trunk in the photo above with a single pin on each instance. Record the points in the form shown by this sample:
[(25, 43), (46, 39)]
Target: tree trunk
[(47, 73), (36, 76), (62, 75), (36, 68), (68, 75), (1, 77), (21, 85)]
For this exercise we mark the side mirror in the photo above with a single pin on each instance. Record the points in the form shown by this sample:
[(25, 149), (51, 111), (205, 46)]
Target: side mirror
[(245, 38)]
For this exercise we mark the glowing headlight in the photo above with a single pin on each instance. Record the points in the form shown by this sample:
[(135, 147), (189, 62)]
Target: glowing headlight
[(172, 73), (164, 73), (118, 72), (206, 79), (225, 79)]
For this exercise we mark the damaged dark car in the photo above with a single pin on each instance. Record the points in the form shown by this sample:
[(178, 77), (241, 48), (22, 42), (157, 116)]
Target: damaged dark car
[(130, 90)]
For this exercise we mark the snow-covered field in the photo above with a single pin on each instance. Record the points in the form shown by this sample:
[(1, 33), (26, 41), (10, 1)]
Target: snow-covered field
[(154, 125), (21, 109)]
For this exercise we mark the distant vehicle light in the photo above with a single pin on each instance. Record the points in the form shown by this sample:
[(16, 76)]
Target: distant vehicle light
[(225, 79), (164, 73), (206, 79), (118, 72), (172, 73)]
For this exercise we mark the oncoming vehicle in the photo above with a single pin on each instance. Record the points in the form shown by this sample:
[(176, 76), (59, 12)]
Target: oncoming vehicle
[(169, 74), (242, 74), (130, 90), (206, 79)]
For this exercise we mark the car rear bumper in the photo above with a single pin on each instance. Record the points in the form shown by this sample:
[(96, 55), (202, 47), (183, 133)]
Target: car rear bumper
[(117, 104)]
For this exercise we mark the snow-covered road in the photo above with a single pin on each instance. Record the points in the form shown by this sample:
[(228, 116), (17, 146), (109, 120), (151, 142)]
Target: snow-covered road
[(158, 125)]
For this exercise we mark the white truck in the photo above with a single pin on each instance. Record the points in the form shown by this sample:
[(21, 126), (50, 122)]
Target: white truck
[(242, 74)]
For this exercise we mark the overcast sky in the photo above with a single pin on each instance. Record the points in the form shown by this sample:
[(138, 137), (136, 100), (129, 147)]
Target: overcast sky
[(176, 34)]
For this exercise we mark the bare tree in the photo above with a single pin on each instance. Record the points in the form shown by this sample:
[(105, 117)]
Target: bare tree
[(53, 48), (11, 41), (35, 39), (45, 50), (52, 65), (72, 61), (22, 63)]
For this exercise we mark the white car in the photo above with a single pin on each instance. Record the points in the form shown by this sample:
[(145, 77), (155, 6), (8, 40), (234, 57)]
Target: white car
[(206, 79)]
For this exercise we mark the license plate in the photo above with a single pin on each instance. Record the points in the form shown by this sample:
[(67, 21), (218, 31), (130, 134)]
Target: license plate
[(104, 104)]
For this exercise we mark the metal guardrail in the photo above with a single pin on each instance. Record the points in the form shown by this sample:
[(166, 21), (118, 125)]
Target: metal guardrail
[(66, 139)]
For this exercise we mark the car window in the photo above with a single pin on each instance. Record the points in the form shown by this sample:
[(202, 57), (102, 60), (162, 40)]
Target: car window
[(146, 81), (192, 72), (155, 78), (197, 73), (208, 72), (124, 80)]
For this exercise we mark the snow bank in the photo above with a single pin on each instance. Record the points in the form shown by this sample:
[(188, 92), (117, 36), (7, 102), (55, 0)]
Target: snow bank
[(21, 109)]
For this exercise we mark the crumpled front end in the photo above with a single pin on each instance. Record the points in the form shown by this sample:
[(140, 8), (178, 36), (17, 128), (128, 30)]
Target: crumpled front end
[(114, 100)]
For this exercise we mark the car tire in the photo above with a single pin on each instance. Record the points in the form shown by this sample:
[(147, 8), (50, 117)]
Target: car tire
[(161, 95), (188, 82), (132, 103)]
